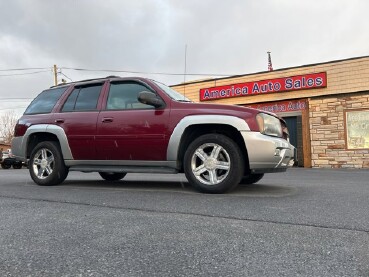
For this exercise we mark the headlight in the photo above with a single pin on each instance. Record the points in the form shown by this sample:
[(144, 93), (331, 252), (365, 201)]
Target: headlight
[(269, 125)]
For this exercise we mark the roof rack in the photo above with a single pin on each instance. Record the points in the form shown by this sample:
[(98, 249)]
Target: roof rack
[(86, 80)]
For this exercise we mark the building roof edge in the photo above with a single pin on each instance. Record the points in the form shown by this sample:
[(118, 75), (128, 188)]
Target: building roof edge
[(263, 72)]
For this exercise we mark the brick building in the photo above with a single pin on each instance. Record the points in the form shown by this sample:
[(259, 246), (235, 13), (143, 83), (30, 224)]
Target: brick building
[(325, 105)]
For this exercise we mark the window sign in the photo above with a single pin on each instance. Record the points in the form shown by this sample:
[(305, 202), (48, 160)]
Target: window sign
[(357, 129), (281, 107)]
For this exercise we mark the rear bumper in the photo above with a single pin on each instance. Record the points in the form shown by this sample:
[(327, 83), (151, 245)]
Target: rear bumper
[(268, 154), (18, 150)]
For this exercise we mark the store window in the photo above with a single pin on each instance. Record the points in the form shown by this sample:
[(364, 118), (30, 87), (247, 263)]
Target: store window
[(357, 129)]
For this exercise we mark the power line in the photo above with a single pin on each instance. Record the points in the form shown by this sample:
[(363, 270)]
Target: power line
[(21, 69), (65, 76), (17, 74), (47, 69), (143, 72), (15, 98), (12, 108)]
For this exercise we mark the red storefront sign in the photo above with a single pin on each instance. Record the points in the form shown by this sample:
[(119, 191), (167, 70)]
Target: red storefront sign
[(281, 107), (300, 82)]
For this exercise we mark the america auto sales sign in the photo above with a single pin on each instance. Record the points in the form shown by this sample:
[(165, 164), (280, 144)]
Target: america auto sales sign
[(300, 82)]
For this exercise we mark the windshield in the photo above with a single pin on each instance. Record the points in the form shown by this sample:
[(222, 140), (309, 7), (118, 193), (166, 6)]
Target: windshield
[(172, 93)]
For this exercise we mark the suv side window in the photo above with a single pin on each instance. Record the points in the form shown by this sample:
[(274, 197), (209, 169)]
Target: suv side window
[(123, 96), (45, 101), (83, 99)]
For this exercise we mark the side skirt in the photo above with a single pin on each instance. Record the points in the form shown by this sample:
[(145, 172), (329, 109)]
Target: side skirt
[(122, 166)]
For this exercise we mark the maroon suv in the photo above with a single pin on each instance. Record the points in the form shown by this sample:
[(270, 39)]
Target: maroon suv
[(119, 125)]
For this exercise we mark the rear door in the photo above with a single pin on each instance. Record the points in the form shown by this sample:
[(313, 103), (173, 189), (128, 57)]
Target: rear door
[(78, 118), (130, 130)]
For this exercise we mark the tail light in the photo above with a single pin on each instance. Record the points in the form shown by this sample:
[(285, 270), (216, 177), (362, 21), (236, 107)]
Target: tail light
[(20, 129)]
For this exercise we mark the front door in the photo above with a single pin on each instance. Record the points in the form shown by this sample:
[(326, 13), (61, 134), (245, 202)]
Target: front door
[(130, 130)]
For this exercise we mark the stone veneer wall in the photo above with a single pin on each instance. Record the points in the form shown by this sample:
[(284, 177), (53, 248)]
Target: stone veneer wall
[(327, 132)]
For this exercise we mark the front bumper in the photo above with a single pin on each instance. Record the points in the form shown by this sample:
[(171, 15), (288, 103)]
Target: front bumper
[(267, 153)]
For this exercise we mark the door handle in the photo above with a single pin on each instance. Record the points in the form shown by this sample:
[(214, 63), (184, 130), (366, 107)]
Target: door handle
[(59, 120), (107, 120)]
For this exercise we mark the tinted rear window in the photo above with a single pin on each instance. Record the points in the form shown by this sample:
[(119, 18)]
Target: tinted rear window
[(83, 99), (45, 101)]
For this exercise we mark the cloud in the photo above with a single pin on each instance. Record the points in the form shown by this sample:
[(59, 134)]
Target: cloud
[(222, 37)]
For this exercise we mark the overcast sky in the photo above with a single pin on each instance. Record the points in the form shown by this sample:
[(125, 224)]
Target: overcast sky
[(222, 37)]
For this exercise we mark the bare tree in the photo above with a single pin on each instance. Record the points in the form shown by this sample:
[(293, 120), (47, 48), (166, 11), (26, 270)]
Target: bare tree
[(7, 124)]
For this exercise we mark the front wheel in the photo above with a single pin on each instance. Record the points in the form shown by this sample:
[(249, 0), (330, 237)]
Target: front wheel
[(46, 164), (213, 163), (111, 176)]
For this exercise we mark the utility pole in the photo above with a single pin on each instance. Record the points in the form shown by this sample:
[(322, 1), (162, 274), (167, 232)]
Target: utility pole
[(55, 75)]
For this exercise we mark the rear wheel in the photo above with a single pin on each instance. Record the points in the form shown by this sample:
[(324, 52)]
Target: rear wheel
[(5, 166), (251, 179), (46, 164), (111, 176), (213, 163)]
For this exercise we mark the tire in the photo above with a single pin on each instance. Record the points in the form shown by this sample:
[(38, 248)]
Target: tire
[(213, 163), (251, 179), (110, 176), (5, 166), (17, 165), (46, 164)]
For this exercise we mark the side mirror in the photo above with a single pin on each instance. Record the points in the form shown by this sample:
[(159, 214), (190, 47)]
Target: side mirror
[(150, 98)]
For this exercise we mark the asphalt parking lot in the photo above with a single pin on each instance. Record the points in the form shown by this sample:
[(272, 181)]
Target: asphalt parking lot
[(305, 222)]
